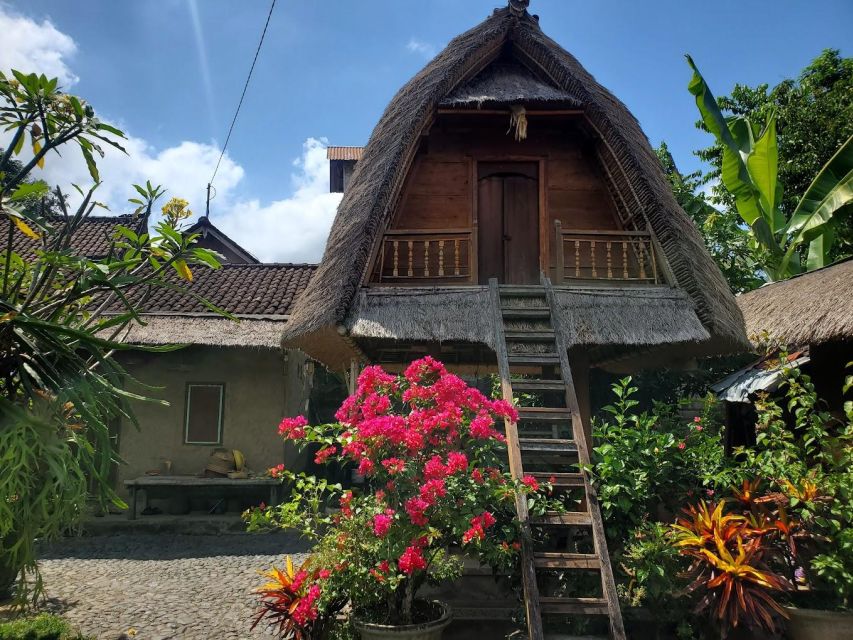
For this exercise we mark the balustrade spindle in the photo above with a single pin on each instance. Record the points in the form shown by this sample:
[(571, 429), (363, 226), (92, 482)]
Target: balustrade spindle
[(426, 258), (624, 259), (456, 257), (641, 250), (440, 258), (592, 257), (609, 261), (396, 258), (577, 258), (411, 270)]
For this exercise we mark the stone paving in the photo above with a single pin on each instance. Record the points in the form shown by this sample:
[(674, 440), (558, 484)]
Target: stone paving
[(162, 586)]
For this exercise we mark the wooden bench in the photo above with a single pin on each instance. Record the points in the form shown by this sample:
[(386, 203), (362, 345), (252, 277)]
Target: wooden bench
[(197, 484)]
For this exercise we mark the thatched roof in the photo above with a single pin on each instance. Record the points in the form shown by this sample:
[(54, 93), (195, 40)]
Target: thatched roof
[(206, 330), (507, 83), (378, 178), (810, 308)]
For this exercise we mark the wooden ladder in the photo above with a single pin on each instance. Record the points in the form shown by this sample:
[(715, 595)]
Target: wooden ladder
[(548, 442)]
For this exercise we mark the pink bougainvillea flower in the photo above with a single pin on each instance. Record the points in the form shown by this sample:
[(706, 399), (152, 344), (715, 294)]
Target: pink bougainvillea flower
[(697, 419), (457, 462), (416, 508), (324, 454), (394, 465), (424, 371), (365, 467), (381, 524), (412, 560), (293, 428), (432, 490), (435, 468), (477, 476), (682, 445)]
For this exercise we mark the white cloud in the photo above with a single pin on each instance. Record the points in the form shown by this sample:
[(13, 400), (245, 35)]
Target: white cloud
[(30, 46), (421, 48), (293, 229)]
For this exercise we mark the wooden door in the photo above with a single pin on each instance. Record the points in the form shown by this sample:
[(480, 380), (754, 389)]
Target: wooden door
[(508, 222)]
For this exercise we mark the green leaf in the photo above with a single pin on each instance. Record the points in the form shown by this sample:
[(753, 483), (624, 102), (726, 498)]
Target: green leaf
[(75, 104), (90, 162), (830, 193), (763, 166), (819, 249), (111, 129), (27, 190)]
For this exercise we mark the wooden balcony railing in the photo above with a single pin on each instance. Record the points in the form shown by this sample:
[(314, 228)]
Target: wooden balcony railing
[(408, 256), (605, 255)]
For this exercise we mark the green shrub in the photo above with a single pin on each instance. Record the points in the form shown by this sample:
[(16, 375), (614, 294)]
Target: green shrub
[(648, 464), (41, 627)]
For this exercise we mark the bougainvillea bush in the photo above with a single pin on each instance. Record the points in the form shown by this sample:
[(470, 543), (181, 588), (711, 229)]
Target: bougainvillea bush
[(431, 450)]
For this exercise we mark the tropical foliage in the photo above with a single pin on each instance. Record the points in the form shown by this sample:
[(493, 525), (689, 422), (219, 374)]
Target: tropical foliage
[(730, 568), (433, 462), (814, 117), (61, 317), (648, 462), (749, 171)]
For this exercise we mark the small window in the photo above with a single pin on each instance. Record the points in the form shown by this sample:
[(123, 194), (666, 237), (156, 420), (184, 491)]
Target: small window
[(204, 413)]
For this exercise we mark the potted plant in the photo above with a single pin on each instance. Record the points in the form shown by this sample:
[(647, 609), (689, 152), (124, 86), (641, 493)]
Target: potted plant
[(433, 460)]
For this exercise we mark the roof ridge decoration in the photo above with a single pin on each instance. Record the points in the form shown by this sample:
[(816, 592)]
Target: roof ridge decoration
[(319, 317), (518, 7)]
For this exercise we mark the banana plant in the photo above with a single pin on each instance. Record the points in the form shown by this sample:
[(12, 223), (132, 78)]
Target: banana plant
[(750, 172)]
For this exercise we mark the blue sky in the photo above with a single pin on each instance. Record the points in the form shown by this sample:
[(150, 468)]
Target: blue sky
[(328, 69)]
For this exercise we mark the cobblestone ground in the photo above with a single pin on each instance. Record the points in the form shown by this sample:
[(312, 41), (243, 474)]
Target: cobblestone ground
[(164, 586)]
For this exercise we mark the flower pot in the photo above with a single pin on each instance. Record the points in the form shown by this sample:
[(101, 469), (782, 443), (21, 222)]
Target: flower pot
[(422, 631), (813, 624)]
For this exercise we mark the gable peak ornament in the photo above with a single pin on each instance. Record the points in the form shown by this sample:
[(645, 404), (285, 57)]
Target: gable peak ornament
[(518, 7)]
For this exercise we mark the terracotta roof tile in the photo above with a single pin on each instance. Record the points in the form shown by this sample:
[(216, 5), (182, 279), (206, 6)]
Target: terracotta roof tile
[(344, 153), (240, 289)]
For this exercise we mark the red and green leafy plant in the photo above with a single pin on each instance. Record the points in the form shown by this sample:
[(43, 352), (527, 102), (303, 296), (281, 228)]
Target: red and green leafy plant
[(287, 600), (731, 570), (433, 458)]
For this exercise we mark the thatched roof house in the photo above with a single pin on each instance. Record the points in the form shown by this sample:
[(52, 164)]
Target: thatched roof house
[(460, 103), (813, 308)]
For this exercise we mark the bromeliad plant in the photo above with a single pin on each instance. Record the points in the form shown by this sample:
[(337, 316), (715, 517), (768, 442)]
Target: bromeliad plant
[(432, 458), (731, 570)]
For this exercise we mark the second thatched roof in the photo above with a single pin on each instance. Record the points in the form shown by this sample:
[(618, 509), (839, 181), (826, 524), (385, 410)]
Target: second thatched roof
[(811, 308)]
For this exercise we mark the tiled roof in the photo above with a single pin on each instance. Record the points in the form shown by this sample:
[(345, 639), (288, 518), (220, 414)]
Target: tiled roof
[(344, 153), (267, 290), (92, 239)]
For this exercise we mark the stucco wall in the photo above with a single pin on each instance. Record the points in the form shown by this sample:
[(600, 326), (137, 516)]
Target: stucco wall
[(261, 386)]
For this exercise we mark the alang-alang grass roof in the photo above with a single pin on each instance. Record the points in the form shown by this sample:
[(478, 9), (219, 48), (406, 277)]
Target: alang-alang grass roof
[(320, 317)]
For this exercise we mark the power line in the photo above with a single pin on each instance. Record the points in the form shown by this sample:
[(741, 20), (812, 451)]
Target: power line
[(240, 103)]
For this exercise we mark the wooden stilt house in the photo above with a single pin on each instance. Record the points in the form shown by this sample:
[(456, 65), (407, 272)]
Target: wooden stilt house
[(508, 214)]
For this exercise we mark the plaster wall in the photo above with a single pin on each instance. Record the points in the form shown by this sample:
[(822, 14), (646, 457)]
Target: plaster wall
[(261, 386)]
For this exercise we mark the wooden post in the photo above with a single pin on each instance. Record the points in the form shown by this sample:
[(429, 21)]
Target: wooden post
[(353, 375), (579, 362), (561, 265)]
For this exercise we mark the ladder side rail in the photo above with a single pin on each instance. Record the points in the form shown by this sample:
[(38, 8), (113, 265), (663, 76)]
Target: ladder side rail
[(617, 629), (531, 589)]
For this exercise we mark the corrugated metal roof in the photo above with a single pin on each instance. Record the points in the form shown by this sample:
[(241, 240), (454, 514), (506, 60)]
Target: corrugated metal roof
[(344, 153)]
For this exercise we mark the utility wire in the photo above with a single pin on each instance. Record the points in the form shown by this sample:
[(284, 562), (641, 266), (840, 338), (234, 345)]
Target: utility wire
[(240, 103)]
